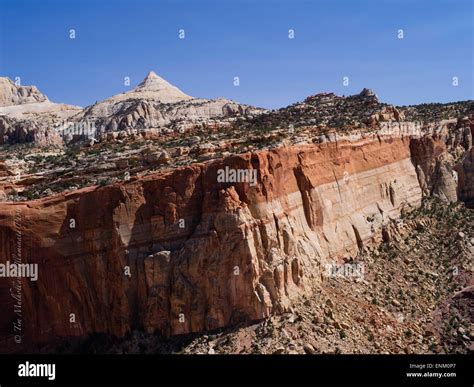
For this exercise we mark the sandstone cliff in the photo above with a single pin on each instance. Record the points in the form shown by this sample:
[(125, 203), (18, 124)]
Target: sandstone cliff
[(243, 251), (466, 179)]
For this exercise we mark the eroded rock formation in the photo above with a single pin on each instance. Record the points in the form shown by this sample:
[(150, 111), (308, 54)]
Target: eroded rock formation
[(203, 254), (27, 116), (12, 94), (157, 241), (155, 106), (466, 179)]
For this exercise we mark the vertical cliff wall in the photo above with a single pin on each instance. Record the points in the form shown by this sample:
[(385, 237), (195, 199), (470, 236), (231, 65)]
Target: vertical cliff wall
[(201, 254), (465, 171)]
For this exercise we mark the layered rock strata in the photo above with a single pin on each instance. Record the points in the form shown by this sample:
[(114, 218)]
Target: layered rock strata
[(179, 251), (157, 107), (28, 116), (153, 108)]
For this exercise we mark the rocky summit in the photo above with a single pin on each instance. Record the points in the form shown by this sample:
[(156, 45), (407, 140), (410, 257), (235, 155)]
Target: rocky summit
[(160, 222), (28, 116), (159, 89), (13, 94)]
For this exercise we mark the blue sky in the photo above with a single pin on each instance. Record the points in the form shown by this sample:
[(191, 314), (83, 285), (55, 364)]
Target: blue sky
[(244, 38)]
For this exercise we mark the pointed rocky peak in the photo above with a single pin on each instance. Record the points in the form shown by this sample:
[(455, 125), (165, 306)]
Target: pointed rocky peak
[(152, 80), (11, 94), (151, 74), (155, 87)]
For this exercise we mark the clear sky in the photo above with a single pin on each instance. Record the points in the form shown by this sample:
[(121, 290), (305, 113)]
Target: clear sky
[(244, 38)]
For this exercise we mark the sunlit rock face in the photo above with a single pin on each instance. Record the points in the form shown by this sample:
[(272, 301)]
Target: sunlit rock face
[(13, 94), (155, 104), (203, 254), (154, 107), (28, 116)]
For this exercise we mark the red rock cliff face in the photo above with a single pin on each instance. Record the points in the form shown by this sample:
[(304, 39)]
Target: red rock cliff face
[(201, 254)]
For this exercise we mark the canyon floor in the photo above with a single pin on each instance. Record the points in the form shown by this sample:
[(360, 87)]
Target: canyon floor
[(414, 298)]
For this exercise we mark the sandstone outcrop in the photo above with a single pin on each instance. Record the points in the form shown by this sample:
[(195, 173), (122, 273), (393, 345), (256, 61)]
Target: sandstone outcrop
[(155, 104), (436, 157), (466, 179), (204, 254), (11, 94), (27, 116)]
